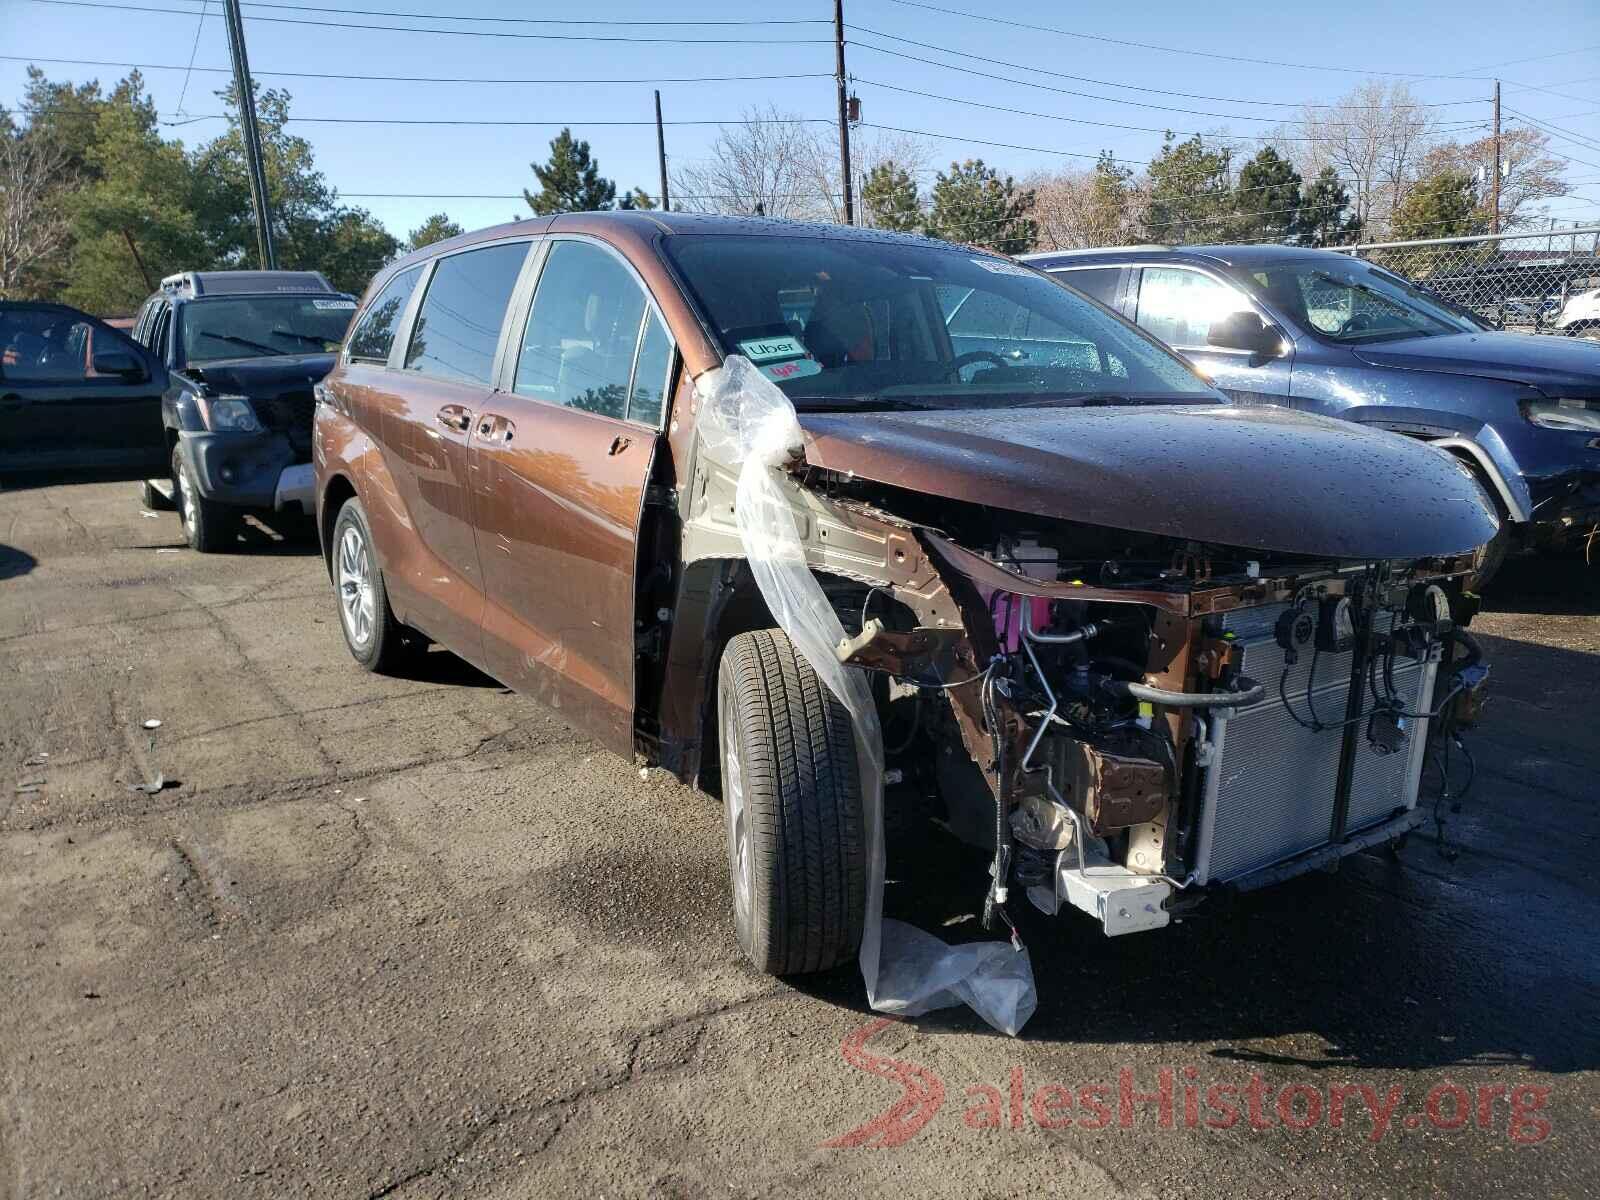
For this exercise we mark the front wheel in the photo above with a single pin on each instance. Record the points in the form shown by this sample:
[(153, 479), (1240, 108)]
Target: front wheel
[(791, 791), (208, 526)]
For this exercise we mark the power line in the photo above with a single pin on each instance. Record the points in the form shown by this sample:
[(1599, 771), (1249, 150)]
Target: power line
[(91, 62), (1094, 37), (475, 33), (1022, 112), (193, 50), (1129, 86), (1577, 139), (438, 16)]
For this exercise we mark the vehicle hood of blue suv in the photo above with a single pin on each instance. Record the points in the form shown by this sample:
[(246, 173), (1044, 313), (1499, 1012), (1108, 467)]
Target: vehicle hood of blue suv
[(265, 376), (1555, 366)]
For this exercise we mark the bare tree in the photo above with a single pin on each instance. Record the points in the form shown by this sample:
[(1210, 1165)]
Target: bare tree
[(1375, 137), (1530, 173), (779, 164), (1082, 209), (33, 172), (764, 163)]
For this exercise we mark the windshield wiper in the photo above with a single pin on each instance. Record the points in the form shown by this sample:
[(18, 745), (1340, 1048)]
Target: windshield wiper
[(241, 341), (304, 337), (859, 404)]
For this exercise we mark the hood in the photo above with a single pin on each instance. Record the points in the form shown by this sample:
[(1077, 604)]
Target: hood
[(268, 375), (1557, 366), (1264, 479)]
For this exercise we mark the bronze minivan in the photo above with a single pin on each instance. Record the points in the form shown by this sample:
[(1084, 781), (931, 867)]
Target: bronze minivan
[(1136, 643)]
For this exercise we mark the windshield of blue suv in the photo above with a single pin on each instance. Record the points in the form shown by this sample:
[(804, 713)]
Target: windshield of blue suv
[(1352, 302), (257, 326), (848, 323)]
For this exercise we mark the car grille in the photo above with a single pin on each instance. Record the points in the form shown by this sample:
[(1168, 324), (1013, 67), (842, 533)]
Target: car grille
[(291, 414), (1276, 780)]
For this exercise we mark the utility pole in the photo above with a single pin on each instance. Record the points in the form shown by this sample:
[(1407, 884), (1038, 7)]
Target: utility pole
[(1494, 186), (661, 154), (844, 111), (250, 133)]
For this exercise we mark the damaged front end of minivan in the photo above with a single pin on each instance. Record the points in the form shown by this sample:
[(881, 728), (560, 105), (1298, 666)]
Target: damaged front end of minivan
[(1137, 653)]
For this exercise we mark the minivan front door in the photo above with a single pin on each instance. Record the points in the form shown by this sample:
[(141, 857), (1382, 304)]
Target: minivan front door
[(1180, 304), (562, 459), (445, 381)]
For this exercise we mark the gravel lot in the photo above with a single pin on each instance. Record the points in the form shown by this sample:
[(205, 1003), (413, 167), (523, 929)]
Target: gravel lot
[(414, 938)]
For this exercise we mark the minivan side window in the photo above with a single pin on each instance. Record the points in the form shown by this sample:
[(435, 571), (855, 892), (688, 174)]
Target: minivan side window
[(1180, 306), (647, 396), (459, 323), (375, 335), (583, 331)]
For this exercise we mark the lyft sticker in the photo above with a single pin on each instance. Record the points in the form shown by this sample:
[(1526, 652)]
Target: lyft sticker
[(795, 368)]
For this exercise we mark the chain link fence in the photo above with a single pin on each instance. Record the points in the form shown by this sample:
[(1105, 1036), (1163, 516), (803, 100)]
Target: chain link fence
[(1524, 282)]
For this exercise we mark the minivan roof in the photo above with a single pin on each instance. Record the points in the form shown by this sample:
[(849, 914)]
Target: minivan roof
[(653, 222)]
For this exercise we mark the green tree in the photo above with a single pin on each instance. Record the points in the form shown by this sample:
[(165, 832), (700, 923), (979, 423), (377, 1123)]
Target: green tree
[(1190, 198), (133, 221), (638, 199), (570, 180), (1110, 199), (1325, 215), (889, 198), (435, 229), (1267, 199), (312, 230), (1439, 205), (972, 204)]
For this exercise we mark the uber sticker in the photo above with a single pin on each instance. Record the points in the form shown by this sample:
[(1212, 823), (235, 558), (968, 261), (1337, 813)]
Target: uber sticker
[(997, 266), (760, 350), (795, 368), (333, 303)]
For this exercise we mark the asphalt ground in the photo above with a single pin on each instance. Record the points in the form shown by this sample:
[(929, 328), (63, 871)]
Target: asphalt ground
[(414, 937)]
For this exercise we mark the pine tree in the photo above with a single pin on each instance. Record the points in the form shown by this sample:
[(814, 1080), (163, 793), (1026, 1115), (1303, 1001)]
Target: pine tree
[(889, 198), (1190, 199), (570, 180), (1267, 199), (638, 199), (1441, 205), (435, 229), (972, 204), (1325, 216)]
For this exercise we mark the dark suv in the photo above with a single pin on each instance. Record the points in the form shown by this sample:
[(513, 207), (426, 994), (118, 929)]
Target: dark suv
[(1323, 332), (244, 350)]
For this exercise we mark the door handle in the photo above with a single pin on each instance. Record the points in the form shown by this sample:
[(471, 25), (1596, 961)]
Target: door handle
[(492, 428), (454, 416), (619, 444)]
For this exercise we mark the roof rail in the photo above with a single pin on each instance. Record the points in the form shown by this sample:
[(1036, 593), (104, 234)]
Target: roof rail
[(1094, 250)]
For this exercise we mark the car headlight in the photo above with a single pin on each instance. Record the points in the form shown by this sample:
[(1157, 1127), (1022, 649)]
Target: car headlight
[(232, 413), (1576, 416)]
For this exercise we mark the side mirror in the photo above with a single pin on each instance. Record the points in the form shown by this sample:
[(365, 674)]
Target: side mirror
[(119, 363), (1245, 330)]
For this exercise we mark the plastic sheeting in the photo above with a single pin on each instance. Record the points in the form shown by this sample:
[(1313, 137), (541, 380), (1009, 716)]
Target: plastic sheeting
[(747, 423)]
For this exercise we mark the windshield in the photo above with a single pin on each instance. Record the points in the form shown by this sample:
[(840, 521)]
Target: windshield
[(851, 323), (255, 326), (1349, 301)]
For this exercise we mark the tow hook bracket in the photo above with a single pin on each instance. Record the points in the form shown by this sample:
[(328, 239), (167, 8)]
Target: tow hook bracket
[(1121, 900)]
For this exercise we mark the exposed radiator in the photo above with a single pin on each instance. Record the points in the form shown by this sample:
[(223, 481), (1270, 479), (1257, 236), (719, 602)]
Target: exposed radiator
[(1271, 790)]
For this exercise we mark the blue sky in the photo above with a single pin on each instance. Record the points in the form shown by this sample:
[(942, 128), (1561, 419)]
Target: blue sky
[(1296, 53)]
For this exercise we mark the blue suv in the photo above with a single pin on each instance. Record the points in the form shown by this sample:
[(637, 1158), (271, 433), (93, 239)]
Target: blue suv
[(1326, 333)]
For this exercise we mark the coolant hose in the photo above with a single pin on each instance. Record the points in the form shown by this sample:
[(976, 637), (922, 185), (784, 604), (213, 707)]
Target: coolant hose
[(1249, 692)]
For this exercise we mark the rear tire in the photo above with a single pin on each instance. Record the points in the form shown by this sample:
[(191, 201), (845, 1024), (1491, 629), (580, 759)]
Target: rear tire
[(375, 639), (792, 795), (208, 526)]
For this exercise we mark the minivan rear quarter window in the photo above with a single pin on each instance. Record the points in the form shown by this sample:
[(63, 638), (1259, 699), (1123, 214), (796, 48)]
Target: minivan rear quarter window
[(375, 335), (459, 323)]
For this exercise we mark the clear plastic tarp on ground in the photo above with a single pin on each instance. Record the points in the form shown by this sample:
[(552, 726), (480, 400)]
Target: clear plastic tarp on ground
[(748, 424)]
